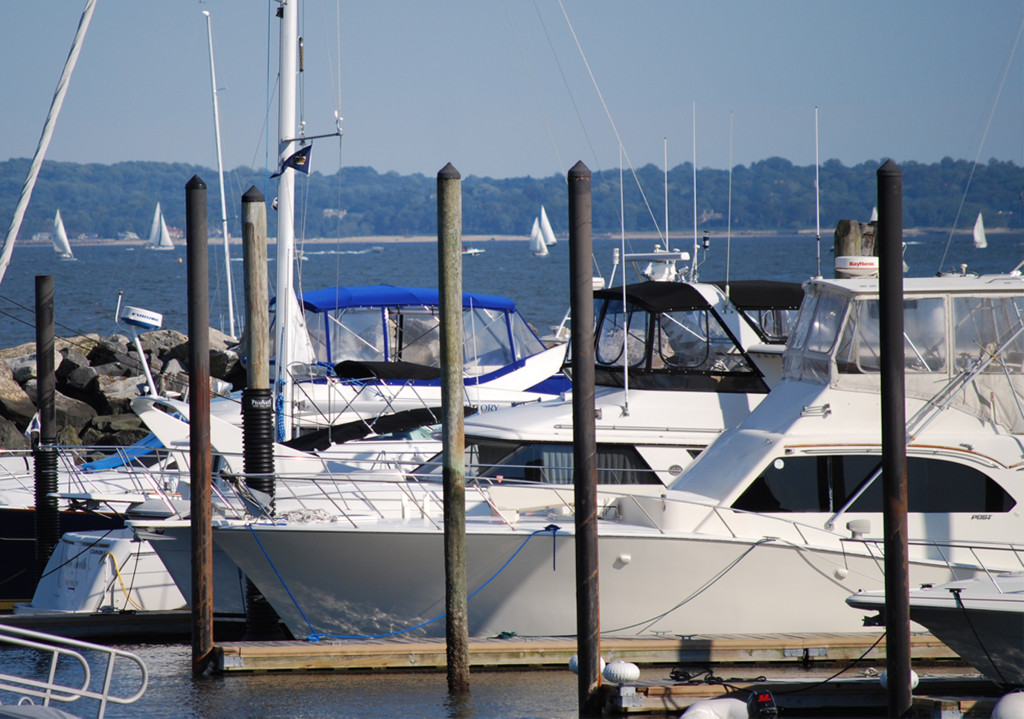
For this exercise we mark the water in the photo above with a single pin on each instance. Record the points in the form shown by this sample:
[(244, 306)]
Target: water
[(86, 291), (174, 694)]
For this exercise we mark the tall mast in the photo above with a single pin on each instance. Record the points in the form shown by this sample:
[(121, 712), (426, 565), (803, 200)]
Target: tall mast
[(44, 139), (286, 126), (220, 176)]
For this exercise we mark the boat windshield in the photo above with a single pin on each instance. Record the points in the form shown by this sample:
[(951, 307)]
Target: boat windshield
[(835, 326), (496, 461), (676, 349), (492, 338)]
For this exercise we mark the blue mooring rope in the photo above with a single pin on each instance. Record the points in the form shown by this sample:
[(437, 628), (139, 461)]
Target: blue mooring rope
[(315, 636)]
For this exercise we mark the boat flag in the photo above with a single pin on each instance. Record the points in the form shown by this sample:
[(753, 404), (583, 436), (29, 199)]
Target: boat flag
[(298, 161)]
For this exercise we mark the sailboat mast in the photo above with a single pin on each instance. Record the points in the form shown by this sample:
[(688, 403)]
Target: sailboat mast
[(288, 66), (44, 139), (220, 177), (817, 192)]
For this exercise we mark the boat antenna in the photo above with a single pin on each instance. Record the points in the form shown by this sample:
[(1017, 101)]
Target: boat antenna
[(728, 222), (664, 143), (44, 138), (625, 316), (693, 267), (220, 177), (817, 194)]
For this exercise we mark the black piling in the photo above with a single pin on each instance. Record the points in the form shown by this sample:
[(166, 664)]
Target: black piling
[(261, 621), (449, 262), (894, 441), (199, 424), (581, 252), (47, 517)]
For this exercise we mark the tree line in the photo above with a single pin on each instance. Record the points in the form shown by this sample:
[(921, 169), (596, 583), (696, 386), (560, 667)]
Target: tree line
[(106, 201)]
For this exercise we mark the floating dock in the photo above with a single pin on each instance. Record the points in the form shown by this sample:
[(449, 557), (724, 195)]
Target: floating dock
[(554, 653), (677, 671)]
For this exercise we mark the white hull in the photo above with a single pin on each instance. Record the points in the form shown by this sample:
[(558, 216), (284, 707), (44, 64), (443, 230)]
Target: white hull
[(980, 619), (377, 581)]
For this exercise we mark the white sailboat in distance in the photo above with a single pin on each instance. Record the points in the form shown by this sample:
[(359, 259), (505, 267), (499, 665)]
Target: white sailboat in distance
[(545, 228), (538, 248), (159, 237), (980, 241), (60, 239)]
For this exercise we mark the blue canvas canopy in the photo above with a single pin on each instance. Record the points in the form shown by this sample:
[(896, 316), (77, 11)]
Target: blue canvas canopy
[(333, 298)]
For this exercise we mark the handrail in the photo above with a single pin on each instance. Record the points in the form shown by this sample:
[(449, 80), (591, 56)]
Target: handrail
[(51, 689)]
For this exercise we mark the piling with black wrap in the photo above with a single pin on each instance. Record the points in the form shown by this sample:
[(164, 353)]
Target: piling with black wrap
[(47, 516)]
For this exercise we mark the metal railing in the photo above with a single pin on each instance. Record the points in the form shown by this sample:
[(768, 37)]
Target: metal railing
[(64, 653)]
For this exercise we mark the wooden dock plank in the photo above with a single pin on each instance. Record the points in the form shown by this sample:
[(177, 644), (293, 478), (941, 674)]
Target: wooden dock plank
[(407, 655)]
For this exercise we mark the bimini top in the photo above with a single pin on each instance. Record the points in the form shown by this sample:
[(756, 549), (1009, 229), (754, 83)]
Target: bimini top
[(657, 296), (333, 298), (764, 294)]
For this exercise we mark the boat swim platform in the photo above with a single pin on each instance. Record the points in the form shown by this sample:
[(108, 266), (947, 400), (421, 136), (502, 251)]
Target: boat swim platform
[(404, 655)]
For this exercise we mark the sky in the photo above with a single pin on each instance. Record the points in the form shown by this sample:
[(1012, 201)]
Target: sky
[(524, 87)]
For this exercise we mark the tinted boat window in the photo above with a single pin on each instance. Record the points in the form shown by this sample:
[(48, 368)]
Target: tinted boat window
[(823, 484), (547, 463)]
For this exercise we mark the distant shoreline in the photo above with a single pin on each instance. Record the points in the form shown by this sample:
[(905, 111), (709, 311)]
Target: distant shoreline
[(478, 239)]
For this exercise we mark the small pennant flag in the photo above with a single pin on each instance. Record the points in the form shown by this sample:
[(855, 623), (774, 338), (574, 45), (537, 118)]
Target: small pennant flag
[(299, 161)]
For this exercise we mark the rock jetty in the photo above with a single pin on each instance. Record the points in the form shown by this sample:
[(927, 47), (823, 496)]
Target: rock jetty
[(97, 378)]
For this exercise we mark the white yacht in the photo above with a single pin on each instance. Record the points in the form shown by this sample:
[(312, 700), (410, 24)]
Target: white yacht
[(768, 531)]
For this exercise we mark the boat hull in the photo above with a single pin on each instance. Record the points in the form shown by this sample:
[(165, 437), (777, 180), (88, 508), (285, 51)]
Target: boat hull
[(372, 583)]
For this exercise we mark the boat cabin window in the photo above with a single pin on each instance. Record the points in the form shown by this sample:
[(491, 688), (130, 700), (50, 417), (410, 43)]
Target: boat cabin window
[(543, 462), (986, 325), (823, 484)]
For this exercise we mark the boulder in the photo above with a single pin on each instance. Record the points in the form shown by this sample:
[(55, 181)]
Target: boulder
[(114, 430), (80, 383), (10, 436), (114, 348), (23, 367), (15, 404), (116, 393), (70, 360), (70, 412)]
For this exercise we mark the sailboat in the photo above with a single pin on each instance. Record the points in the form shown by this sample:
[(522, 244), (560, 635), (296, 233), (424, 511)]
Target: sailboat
[(538, 248), (545, 228), (159, 237), (980, 242), (60, 239)]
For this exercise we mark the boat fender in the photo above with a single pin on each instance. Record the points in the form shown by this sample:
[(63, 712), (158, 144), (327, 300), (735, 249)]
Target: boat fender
[(621, 672), (1010, 706), (883, 678), (574, 664), (724, 708)]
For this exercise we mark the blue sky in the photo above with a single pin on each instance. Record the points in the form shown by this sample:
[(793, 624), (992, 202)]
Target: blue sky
[(500, 89)]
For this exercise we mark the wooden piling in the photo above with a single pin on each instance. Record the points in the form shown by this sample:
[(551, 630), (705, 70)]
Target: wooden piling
[(449, 262), (894, 438), (261, 621), (581, 252), (47, 516), (199, 423)]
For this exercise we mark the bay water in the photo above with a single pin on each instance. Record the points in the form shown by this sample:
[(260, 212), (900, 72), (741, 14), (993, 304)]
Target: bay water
[(87, 290)]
